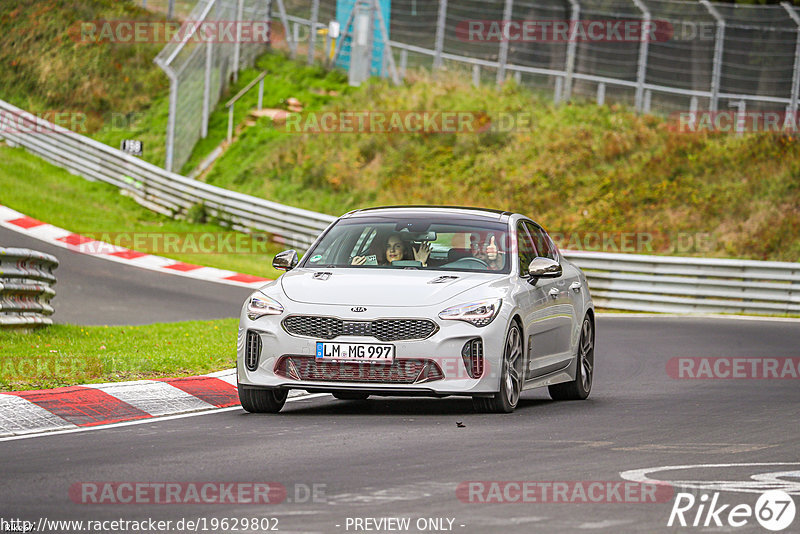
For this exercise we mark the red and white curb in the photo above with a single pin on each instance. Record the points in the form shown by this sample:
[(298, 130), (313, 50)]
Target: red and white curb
[(93, 405), (14, 220)]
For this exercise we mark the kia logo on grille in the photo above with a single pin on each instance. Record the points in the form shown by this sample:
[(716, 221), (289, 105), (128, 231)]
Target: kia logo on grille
[(358, 309)]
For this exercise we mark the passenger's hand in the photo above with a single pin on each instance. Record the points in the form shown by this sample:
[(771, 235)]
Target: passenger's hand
[(491, 250), (422, 254), (358, 260)]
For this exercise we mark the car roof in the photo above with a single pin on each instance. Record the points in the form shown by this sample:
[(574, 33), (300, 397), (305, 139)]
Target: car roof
[(429, 209)]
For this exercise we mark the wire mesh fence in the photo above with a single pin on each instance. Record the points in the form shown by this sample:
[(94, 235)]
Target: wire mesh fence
[(657, 56), (680, 55)]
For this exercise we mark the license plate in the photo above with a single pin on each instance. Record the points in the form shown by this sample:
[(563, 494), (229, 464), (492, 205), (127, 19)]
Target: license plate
[(355, 352)]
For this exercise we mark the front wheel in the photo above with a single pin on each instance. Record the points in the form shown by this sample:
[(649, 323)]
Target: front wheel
[(506, 400), (579, 388), (256, 400)]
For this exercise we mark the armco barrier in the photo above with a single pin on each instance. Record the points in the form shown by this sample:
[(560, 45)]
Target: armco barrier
[(690, 285), (618, 281), (166, 192), (26, 280)]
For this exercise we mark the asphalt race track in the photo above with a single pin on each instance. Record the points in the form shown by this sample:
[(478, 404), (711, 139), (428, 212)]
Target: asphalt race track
[(404, 457), (95, 291)]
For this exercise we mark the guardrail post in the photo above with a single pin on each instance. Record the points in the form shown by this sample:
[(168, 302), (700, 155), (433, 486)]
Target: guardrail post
[(237, 46), (312, 33), (503, 58), (719, 46), (796, 75), (441, 21), (574, 20), (644, 45)]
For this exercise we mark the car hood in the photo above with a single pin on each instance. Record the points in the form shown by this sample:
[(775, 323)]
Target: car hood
[(379, 287)]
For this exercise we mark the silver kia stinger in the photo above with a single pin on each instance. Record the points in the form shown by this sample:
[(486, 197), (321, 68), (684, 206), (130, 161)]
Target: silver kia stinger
[(420, 300)]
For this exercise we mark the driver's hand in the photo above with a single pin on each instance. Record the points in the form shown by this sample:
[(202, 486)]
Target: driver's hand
[(358, 260), (422, 254)]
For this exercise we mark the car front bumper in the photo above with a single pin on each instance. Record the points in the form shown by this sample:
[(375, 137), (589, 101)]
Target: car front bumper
[(444, 348)]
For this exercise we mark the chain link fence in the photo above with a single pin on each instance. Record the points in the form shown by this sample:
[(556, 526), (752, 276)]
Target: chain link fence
[(697, 54), (686, 56)]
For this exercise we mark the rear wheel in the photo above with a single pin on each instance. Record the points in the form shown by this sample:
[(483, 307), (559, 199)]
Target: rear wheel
[(579, 388), (506, 400), (351, 395), (256, 400)]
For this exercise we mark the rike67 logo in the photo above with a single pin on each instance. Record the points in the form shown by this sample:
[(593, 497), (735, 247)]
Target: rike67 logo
[(774, 510)]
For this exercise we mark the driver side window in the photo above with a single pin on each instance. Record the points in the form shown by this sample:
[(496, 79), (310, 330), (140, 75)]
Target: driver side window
[(526, 248)]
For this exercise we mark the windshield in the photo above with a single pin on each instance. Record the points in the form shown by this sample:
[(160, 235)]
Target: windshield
[(449, 244)]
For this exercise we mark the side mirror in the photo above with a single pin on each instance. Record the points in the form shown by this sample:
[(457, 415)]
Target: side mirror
[(286, 260), (544, 268)]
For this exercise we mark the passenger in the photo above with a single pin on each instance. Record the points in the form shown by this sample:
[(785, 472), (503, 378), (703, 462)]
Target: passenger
[(396, 249)]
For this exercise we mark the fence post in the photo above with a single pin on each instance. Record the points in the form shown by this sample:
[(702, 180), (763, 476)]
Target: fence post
[(574, 19), (440, 28), (171, 9), (719, 45), (693, 111), (173, 110), (207, 90), (312, 32), (287, 31), (476, 75), (503, 59), (559, 90), (386, 43), (403, 62), (237, 46), (740, 116), (601, 93), (644, 43), (796, 77)]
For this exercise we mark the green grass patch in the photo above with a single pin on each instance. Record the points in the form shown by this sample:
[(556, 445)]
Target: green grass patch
[(36, 188), (64, 355), (580, 170)]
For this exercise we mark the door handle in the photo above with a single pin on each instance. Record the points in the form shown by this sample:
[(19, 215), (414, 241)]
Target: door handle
[(555, 292), (576, 287)]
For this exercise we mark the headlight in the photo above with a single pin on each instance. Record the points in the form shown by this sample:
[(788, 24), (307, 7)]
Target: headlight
[(262, 305), (478, 313)]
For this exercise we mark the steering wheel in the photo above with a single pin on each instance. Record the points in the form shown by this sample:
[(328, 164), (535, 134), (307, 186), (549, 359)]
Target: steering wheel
[(466, 261)]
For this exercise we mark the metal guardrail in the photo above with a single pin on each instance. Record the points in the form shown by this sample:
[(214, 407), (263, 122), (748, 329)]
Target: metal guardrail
[(162, 191), (618, 281), (26, 280), (669, 284)]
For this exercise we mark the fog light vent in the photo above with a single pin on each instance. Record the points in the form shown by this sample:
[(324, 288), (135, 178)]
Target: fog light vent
[(472, 353), (252, 350)]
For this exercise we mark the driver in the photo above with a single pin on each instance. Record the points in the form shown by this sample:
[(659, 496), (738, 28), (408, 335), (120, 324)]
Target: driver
[(396, 249)]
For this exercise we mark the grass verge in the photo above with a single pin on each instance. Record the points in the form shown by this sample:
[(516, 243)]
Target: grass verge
[(63, 355), (36, 188)]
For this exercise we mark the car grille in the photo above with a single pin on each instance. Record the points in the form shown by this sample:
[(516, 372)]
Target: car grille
[(382, 329), (252, 350), (405, 371)]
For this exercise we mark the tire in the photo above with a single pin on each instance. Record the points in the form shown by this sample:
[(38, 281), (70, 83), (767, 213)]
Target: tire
[(262, 400), (507, 398), (579, 388), (351, 395)]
